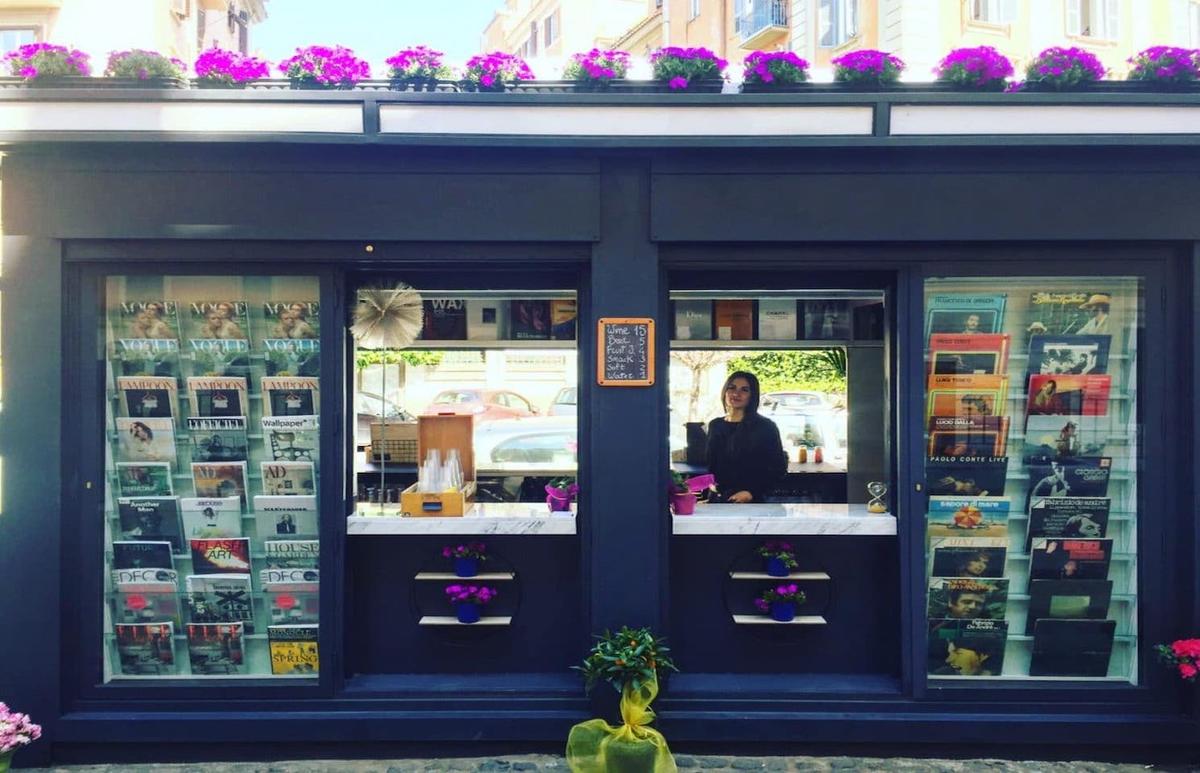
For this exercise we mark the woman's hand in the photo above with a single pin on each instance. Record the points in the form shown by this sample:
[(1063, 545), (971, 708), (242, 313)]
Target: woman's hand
[(741, 497)]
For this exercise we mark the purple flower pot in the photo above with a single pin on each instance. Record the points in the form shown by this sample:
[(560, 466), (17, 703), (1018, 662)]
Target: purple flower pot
[(777, 568), (783, 611), (466, 567), (683, 504), (467, 613), (558, 504)]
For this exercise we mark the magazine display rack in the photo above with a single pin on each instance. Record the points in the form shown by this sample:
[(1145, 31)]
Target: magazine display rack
[(1031, 471), (211, 523)]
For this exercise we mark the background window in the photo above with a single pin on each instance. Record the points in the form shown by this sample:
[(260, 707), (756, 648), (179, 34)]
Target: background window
[(533, 38), (1094, 18), (694, 9), (14, 37), (837, 22), (1194, 24), (994, 11), (550, 25)]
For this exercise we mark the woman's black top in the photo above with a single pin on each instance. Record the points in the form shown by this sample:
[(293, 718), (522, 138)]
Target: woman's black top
[(746, 455)]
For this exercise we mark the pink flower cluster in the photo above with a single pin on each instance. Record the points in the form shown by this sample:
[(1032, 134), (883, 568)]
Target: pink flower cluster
[(16, 729), (142, 64), (328, 66), (597, 65), (493, 70), (867, 66), (417, 62), (779, 593), (1061, 68), (35, 60), (229, 67), (470, 594), (680, 66), (775, 66), (1182, 655), (466, 550), (1165, 64), (982, 67)]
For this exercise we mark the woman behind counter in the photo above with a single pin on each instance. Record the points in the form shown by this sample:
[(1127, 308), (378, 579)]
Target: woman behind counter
[(744, 451)]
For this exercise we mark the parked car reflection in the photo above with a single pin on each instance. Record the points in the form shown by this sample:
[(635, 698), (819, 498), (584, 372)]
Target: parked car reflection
[(484, 404), (533, 444)]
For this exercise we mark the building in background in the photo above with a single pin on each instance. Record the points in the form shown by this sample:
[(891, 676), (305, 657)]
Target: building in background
[(546, 32)]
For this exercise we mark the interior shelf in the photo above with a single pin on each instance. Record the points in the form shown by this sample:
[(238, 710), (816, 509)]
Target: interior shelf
[(791, 576), (442, 576), (447, 620), (764, 620)]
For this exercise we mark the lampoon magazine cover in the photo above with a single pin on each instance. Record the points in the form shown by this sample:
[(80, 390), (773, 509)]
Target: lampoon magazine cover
[(148, 396), (290, 396)]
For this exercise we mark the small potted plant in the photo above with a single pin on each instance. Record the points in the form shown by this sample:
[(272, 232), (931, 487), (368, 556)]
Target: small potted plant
[(1165, 67), (419, 68), (46, 64), (867, 68), (16, 730), (467, 599), (218, 68), (494, 72), (779, 557), (146, 69), (773, 71), (560, 493), (467, 557), (1183, 655), (688, 69), (982, 68), (683, 499), (1063, 69), (780, 602), (596, 69), (324, 67)]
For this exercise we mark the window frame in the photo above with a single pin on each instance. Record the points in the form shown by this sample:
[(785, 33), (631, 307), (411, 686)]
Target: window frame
[(844, 14), (1082, 17), (37, 30)]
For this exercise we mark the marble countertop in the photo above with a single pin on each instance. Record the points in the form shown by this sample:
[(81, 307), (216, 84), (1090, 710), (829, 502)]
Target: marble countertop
[(489, 518), (785, 518)]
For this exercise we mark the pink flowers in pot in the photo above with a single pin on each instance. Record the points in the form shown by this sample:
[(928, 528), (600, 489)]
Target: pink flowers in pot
[(681, 67), (142, 65), (229, 68), (597, 66), (1063, 68), (982, 68), (16, 730), (1165, 65), (774, 67), (46, 60), (1183, 655), (867, 67), (331, 67), (418, 63), (494, 71), (470, 594)]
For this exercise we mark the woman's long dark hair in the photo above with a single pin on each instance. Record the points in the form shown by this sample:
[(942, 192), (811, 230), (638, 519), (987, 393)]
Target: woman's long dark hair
[(752, 380)]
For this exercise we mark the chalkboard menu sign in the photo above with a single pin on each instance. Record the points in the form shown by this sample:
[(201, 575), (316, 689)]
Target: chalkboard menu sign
[(625, 351)]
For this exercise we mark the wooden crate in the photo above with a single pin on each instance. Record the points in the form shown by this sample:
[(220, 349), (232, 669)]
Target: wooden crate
[(394, 442), (443, 432)]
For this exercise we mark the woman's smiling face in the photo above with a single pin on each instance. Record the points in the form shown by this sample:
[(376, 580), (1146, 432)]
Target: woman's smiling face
[(737, 394)]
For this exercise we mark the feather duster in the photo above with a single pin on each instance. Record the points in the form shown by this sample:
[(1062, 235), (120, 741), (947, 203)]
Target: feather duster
[(387, 318)]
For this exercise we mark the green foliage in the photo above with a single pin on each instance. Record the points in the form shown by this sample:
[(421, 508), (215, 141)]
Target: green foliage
[(629, 656), (680, 482), (822, 370), (366, 357)]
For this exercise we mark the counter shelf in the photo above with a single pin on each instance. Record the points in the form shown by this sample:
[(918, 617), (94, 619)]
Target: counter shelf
[(785, 518), (490, 518)]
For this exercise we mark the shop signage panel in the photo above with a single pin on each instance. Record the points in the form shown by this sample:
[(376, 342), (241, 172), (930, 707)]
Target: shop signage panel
[(625, 351)]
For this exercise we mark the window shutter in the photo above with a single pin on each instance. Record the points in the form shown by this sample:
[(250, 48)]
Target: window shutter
[(851, 19), (1112, 19), (1074, 17)]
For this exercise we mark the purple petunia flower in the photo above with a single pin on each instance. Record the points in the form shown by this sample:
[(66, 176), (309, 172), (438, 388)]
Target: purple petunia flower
[(1165, 64), (867, 66), (597, 65), (1064, 68), (781, 67), (982, 67), (229, 67), (42, 60), (335, 67)]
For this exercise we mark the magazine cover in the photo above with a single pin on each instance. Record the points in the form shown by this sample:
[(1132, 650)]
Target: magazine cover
[(226, 555), (1070, 559), (968, 436), (144, 479), (291, 396), (288, 479), (530, 319), (292, 356), (445, 319), (1084, 477), (1068, 517), (292, 319), (968, 556), (1072, 647), (218, 517), (826, 320), (1064, 438), (1069, 355), (966, 476), (693, 320), (777, 319), (734, 319), (146, 602), (216, 648), (290, 579), (293, 649), (966, 395), (148, 397), (218, 480), (963, 598), (148, 356), (218, 438), (293, 595), (958, 354), (1075, 313), (220, 357), (967, 647), (219, 319), (968, 517), (146, 648), (148, 319), (291, 438), (961, 313), (563, 315), (1067, 600), (487, 320), (145, 440), (151, 579), (218, 396), (1068, 395), (286, 516), (151, 518), (221, 598), (292, 553), (141, 554)]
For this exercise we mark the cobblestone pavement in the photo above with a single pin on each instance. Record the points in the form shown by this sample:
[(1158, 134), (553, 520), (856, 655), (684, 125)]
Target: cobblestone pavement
[(686, 762)]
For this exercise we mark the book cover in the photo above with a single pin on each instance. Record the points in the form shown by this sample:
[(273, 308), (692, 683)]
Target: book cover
[(966, 476), (286, 516), (225, 555), (291, 438), (220, 357), (218, 396), (1079, 312), (292, 553), (148, 357), (967, 598), (693, 320), (530, 319), (968, 556), (1069, 355), (216, 648), (1070, 559), (1072, 647), (292, 356), (1068, 517), (777, 319), (968, 517), (146, 648), (293, 649), (219, 319), (146, 602), (1068, 395), (967, 647), (734, 320), (826, 320), (487, 320), (148, 396), (962, 313), (291, 396), (1067, 600), (1064, 438), (563, 315), (299, 320), (966, 395), (968, 436), (1084, 477), (959, 354), (141, 554), (148, 319), (151, 519), (218, 438), (445, 319), (146, 440), (216, 480), (144, 479), (281, 479), (217, 517), (221, 598)]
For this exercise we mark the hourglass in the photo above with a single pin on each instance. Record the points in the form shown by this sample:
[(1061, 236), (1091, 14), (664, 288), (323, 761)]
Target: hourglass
[(878, 490)]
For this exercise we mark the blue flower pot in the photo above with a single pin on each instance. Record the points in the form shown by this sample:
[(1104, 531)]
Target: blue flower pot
[(783, 611), (777, 568), (467, 613), (466, 567)]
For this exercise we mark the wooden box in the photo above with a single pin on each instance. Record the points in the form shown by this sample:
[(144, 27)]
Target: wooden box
[(443, 432), (394, 442)]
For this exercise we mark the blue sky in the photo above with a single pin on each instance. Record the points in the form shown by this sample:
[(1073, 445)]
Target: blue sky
[(375, 29)]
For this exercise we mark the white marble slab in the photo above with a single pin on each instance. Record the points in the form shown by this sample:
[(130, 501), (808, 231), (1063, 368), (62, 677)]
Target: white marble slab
[(484, 518), (785, 518)]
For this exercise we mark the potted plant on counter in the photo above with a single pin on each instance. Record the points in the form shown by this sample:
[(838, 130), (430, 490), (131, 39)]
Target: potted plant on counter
[(494, 72), (778, 557), (982, 68), (419, 68), (773, 71), (867, 68), (688, 69), (467, 557), (467, 600), (780, 602), (46, 64), (218, 68), (324, 67), (146, 69), (683, 499), (16, 730), (560, 493)]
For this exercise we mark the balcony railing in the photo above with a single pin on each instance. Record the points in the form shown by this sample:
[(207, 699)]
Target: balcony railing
[(761, 19)]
